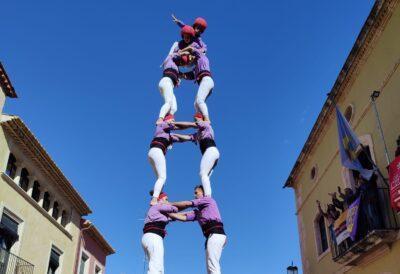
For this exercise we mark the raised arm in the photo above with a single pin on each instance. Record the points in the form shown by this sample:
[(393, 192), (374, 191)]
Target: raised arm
[(320, 209), (177, 21)]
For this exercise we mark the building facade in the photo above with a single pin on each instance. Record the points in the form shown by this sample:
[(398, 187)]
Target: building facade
[(372, 65), (94, 250), (40, 211)]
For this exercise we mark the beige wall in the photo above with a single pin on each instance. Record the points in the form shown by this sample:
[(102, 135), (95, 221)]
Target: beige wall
[(38, 231), (375, 70)]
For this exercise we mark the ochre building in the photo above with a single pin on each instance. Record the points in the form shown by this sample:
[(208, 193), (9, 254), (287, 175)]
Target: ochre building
[(40, 211), (372, 65)]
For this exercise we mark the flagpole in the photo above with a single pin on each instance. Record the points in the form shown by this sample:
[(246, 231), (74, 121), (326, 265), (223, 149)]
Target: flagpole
[(373, 97), (364, 149)]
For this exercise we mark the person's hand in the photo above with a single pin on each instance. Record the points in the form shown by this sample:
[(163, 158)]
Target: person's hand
[(318, 202), (183, 52), (159, 121), (174, 18)]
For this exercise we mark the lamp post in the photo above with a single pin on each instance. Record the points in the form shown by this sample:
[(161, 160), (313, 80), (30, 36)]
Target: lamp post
[(375, 94), (292, 269)]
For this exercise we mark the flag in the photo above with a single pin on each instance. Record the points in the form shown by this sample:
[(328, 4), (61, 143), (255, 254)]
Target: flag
[(348, 146)]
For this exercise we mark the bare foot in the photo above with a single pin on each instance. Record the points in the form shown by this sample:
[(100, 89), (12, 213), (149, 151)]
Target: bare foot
[(153, 201)]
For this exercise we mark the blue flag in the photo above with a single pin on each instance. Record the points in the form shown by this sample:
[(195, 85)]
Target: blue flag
[(348, 146)]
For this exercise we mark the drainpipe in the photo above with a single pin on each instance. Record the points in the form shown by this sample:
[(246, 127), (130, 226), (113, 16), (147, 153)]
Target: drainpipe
[(78, 250)]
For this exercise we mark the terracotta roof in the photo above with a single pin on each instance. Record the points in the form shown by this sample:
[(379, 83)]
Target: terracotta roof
[(97, 236), (16, 128), (376, 21), (6, 84)]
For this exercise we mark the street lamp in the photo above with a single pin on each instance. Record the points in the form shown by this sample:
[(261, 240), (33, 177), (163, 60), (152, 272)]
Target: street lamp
[(292, 269)]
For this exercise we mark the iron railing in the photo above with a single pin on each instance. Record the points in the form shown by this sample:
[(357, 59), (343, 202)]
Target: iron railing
[(369, 236), (12, 264)]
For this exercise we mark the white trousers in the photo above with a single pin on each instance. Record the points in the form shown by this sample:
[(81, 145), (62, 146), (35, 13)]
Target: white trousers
[(215, 245), (205, 87), (208, 161), (166, 87), (159, 164), (153, 247)]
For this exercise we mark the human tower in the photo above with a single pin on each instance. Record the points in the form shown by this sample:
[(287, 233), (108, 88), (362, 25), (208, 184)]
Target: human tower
[(188, 54)]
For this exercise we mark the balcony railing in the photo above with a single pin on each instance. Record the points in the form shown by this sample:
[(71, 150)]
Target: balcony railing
[(12, 264), (369, 237)]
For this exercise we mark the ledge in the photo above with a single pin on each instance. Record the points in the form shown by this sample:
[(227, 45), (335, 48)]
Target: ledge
[(29, 199)]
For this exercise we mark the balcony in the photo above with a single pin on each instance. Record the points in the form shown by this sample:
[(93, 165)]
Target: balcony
[(12, 264), (369, 240)]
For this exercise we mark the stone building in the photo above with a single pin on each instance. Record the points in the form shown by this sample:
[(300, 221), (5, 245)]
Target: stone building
[(372, 65), (40, 211)]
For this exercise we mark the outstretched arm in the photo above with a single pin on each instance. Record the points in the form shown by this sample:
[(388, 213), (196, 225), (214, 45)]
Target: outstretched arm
[(177, 21), (182, 205), (182, 137), (184, 125), (178, 216)]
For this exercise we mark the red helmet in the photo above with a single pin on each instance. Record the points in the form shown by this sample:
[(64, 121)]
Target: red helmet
[(162, 195), (187, 30), (200, 22), (198, 115), (169, 117)]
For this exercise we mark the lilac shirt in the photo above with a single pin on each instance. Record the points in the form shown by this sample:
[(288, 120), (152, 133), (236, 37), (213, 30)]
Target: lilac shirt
[(158, 213), (207, 210), (163, 130), (205, 131), (202, 46)]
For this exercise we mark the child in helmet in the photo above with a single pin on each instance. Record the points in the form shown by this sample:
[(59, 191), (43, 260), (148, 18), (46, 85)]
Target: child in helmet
[(183, 55), (201, 73)]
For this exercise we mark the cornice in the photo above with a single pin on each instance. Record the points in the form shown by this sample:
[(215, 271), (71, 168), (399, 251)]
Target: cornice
[(32, 148), (6, 84)]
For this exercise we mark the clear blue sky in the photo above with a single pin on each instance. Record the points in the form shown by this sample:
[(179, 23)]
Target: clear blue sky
[(87, 75)]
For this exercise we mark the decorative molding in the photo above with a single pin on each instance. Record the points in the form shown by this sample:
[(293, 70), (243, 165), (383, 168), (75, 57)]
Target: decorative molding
[(31, 147), (29, 199), (6, 84)]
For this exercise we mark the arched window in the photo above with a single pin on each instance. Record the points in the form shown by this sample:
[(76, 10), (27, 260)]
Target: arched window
[(64, 218), (11, 166), (36, 191), (46, 201), (320, 234), (24, 179), (55, 210)]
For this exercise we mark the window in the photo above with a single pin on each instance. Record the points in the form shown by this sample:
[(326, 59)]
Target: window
[(46, 201), (54, 261), (313, 173), (36, 191), (97, 270), (348, 113), (8, 232), (64, 218), (11, 169), (320, 234), (84, 263), (24, 179), (55, 210)]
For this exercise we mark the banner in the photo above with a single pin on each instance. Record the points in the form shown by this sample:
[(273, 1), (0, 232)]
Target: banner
[(394, 181), (352, 218), (340, 228)]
